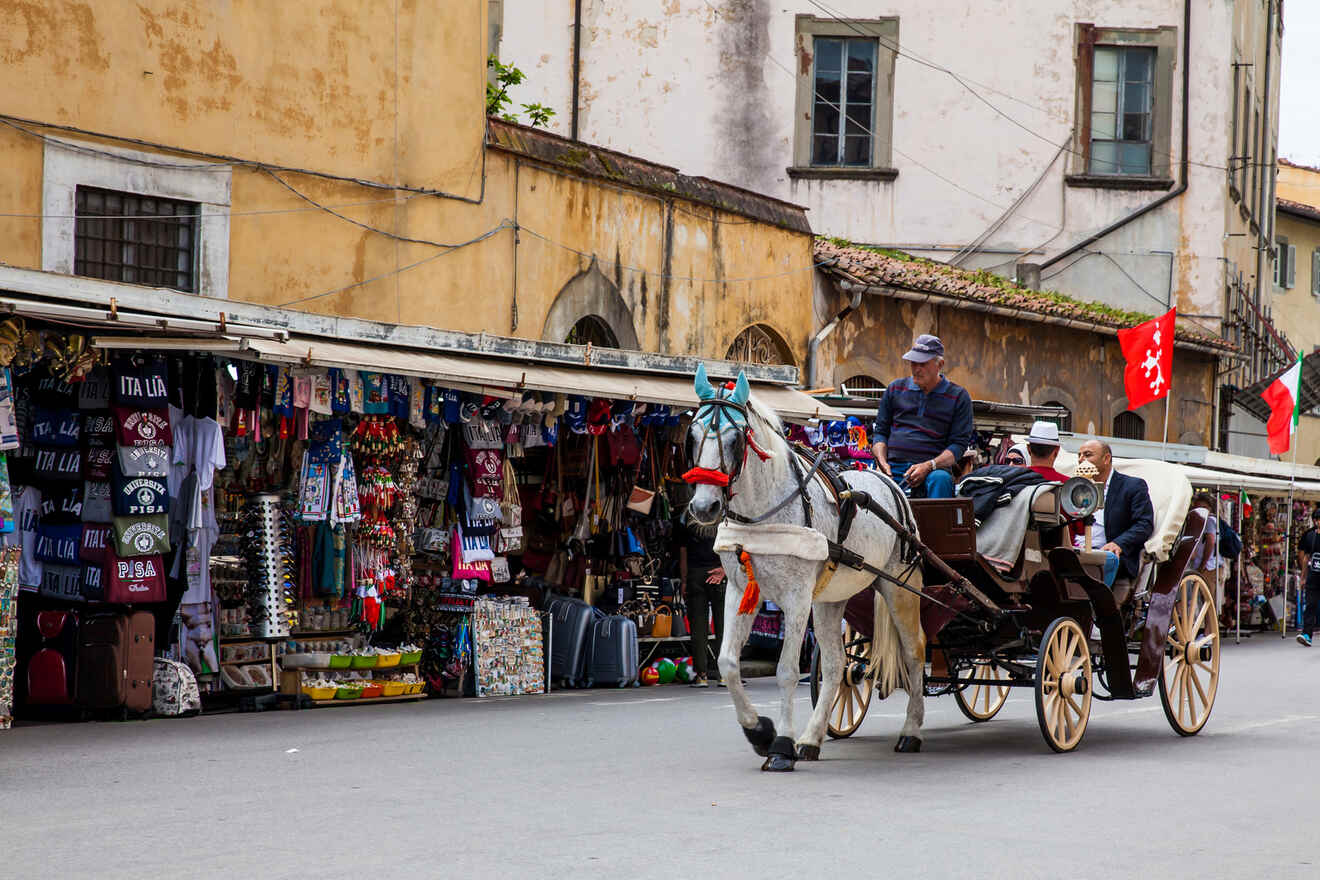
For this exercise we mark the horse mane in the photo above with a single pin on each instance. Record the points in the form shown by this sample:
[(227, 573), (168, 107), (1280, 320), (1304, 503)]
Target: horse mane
[(770, 430)]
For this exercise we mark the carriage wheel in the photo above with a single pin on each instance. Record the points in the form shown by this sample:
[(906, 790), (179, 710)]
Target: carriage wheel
[(1190, 676), (854, 695), (1063, 685), (981, 702)]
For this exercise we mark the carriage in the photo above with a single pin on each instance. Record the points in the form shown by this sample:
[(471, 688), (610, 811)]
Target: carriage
[(1045, 620)]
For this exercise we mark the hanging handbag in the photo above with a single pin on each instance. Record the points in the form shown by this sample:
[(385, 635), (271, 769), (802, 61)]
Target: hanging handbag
[(624, 449), (678, 628), (664, 623), (640, 500)]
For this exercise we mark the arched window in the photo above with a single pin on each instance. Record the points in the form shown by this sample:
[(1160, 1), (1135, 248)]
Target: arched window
[(593, 330), (1129, 426), (1065, 421), (759, 344), (863, 386)]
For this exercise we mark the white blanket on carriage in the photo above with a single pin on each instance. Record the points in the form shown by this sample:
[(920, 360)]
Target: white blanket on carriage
[(999, 538)]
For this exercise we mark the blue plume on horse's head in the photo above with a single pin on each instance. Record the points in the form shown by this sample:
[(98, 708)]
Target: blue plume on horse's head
[(705, 390), (741, 390)]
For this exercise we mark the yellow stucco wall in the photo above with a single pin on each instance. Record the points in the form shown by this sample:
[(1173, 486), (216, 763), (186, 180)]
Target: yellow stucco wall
[(313, 85)]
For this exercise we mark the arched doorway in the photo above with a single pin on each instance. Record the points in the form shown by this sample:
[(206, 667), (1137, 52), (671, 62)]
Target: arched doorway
[(1064, 421), (760, 344), (592, 330), (1129, 426)]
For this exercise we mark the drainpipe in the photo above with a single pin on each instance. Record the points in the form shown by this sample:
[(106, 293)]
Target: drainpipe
[(813, 381), (577, 64), (1263, 244), (1182, 162)]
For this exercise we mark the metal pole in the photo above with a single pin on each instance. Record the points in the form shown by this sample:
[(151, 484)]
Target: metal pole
[(1287, 540)]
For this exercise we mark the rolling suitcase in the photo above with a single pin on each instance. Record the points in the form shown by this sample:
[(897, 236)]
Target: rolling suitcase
[(50, 672), (570, 637), (115, 654), (613, 652)]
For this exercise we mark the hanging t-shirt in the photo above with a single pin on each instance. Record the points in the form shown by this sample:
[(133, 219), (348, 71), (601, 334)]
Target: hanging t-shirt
[(400, 393), (247, 388), (143, 427), (141, 535), (375, 394), (270, 379), (283, 393), (51, 391), (94, 390), (53, 427), (320, 402), (140, 382), (339, 399), (27, 517), (96, 506), (7, 522), (98, 462), (57, 465), (62, 503), (356, 392), (9, 438), (142, 461), (58, 544), (416, 403), (94, 543), (93, 581), (138, 496), (99, 429), (136, 579), (207, 453), (62, 582)]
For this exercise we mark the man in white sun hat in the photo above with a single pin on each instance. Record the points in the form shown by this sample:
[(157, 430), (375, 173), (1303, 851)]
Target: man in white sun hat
[(1043, 449)]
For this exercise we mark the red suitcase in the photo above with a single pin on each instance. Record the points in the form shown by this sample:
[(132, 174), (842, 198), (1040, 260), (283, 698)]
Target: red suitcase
[(50, 672), (115, 661)]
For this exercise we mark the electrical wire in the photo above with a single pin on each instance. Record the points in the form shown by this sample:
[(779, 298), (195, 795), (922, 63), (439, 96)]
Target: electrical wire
[(505, 224)]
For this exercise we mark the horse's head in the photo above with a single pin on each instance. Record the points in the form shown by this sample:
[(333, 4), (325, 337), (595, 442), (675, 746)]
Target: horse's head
[(716, 445)]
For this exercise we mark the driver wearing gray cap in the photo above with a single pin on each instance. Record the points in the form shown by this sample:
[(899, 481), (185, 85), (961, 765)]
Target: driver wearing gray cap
[(924, 423)]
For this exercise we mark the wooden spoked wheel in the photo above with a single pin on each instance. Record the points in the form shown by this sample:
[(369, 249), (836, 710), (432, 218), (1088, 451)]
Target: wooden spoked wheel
[(1063, 685), (981, 702), (1190, 676), (854, 695)]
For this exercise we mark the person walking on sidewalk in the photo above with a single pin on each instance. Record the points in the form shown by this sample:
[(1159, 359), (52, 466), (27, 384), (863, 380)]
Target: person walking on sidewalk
[(1309, 548), (703, 589)]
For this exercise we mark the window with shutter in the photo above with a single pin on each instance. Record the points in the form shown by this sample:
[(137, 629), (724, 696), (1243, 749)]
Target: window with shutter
[(1291, 278), (1315, 272)]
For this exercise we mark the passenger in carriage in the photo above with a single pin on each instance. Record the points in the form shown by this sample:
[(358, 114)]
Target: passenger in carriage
[(1043, 449), (924, 423), (1127, 520)]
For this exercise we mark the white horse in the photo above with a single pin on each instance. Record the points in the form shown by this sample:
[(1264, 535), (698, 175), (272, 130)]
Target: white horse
[(786, 562)]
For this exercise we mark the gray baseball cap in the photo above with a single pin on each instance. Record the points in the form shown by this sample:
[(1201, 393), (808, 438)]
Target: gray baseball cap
[(926, 348)]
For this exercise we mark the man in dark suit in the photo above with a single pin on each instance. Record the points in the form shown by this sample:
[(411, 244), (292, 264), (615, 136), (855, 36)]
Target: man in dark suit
[(1127, 520)]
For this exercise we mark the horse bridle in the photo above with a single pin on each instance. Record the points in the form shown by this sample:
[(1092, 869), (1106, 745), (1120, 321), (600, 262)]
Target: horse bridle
[(726, 476)]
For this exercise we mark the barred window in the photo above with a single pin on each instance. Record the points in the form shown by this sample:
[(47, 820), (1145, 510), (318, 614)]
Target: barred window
[(135, 239)]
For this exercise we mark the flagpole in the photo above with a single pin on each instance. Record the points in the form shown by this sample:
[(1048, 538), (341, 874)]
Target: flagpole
[(1164, 446), (1292, 484)]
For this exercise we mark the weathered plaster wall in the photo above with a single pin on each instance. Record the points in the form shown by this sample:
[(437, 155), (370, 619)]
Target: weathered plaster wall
[(710, 88), (673, 269), (997, 358), (343, 86)]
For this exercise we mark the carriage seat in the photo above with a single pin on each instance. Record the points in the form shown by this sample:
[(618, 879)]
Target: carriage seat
[(1045, 513), (1093, 561)]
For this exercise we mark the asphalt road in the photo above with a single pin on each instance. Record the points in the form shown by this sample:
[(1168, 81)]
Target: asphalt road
[(658, 782)]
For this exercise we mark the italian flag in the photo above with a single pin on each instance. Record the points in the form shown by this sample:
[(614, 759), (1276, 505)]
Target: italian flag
[(1284, 397)]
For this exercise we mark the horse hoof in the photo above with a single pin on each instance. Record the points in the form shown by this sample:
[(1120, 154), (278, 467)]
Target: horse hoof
[(908, 744), (762, 736), (808, 753), (782, 756)]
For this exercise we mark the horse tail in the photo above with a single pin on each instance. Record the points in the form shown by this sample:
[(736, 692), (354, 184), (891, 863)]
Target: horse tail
[(891, 665)]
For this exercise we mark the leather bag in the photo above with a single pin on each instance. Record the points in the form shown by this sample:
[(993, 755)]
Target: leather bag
[(664, 622)]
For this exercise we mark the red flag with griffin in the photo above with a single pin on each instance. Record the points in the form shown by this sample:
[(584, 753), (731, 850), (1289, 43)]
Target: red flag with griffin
[(1148, 350)]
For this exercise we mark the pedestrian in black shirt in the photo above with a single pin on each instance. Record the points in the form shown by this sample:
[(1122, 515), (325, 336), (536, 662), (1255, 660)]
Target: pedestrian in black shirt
[(703, 588), (1309, 556)]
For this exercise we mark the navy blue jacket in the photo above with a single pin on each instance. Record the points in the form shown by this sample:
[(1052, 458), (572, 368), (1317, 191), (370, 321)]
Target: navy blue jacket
[(1129, 519), (916, 426)]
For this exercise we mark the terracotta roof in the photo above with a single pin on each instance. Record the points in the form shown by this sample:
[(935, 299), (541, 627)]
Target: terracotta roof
[(1298, 209), (589, 160), (872, 266)]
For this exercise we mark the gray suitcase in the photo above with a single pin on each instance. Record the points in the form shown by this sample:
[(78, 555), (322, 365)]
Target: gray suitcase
[(613, 652), (570, 639)]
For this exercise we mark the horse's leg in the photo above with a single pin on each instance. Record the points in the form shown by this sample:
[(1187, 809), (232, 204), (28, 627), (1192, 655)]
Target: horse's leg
[(905, 609), (795, 607), (828, 618), (760, 731)]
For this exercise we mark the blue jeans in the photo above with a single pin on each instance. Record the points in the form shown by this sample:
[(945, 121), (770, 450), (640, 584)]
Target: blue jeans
[(938, 484), (1111, 568)]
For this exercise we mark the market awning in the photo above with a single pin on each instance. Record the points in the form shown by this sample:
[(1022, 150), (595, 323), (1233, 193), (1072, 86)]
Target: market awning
[(496, 376)]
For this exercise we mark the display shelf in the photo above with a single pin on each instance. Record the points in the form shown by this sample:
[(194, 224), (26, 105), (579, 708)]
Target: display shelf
[(322, 633)]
